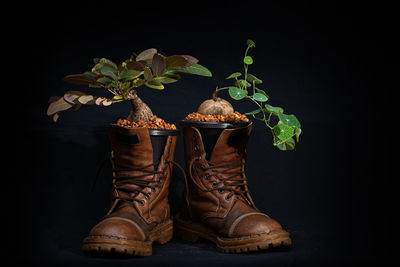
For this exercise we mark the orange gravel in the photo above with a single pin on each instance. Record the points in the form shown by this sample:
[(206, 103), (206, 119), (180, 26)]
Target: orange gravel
[(235, 117), (154, 123)]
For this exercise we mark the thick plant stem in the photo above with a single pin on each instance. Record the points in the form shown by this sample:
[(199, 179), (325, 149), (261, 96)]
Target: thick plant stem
[(140, 111)]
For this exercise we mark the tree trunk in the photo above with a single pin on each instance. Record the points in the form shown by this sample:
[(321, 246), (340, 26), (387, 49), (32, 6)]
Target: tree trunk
[(140, 111)]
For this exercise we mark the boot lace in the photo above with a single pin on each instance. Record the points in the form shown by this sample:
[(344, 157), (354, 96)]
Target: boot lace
[(235, 182), (119, 182)]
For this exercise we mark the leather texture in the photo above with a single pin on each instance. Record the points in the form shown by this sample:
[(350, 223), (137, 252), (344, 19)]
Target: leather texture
[(140, 193), (216, 192)]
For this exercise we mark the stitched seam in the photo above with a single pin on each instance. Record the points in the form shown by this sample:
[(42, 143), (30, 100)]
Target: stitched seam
[(129, 221), (110, 237)]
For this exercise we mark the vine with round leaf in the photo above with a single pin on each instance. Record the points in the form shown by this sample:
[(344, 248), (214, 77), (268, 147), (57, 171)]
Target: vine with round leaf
[(287, 128)]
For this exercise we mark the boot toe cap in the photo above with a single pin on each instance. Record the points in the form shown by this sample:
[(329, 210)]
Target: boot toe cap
[(117, 227), (253, 224)]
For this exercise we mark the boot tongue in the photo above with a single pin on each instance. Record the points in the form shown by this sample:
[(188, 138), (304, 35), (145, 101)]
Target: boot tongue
[(131, 149), (231, 145), (230, 148)]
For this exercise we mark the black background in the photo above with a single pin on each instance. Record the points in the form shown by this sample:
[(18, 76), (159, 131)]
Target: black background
[(328, 64)]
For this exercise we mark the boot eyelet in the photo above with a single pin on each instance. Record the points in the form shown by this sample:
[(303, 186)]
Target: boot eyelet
[(196, 148), (154, 189), (207, 177), (160, 181), (213, 184), (228, 197), (221, 191), (142, 202), (148, 196)]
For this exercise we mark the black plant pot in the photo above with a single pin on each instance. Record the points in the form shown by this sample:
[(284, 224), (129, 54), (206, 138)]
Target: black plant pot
[(159, 140), (210, 132)]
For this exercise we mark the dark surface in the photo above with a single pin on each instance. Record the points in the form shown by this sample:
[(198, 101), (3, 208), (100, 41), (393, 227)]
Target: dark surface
[(327, 64)]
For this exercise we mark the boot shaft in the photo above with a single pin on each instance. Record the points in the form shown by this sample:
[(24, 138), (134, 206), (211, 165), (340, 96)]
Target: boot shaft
[(141, 170), (216, 174)]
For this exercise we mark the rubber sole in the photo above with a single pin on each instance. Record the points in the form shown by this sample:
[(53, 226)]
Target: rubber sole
[(191, 231), (110, 244)]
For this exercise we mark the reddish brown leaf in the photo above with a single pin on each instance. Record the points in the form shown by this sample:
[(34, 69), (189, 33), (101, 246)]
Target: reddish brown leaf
[(175, 61), (146, 54), (57, 106), (158, 64), (190, 60), (78, 79), (135, 65)]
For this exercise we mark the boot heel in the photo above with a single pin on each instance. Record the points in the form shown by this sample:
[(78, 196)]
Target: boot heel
[(166, 235), (186, 234), (163, 233), (191, 231), (183, 230)]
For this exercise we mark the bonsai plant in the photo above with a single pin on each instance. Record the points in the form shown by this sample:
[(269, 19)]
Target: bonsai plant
[(142, 149), (148, 68), (285, 128)]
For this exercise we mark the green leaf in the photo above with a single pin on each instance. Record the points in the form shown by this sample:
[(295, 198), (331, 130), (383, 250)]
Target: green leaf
[(155, 85), (250, 43), (125, 86), (273, 110), (261, 92), (196, 69), (169, 78), (104, 80), (297, 132), (260, 97), (101, 62), (107, 70), (234, 75), (108, 62), (237, 93), (283, 131), (147, 74), (289, 120), (248, 60), (90, 75), (117, 97), (286, 145), (138, 82), (251, 78), (242, 83), (254, 112), (130, 74), (158, 64)]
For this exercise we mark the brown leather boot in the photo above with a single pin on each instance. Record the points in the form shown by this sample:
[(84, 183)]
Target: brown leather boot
[(217, 205), (140, 212)]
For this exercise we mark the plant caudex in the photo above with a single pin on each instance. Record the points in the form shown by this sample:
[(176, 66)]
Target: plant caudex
[(287, 128), (148, 68)]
